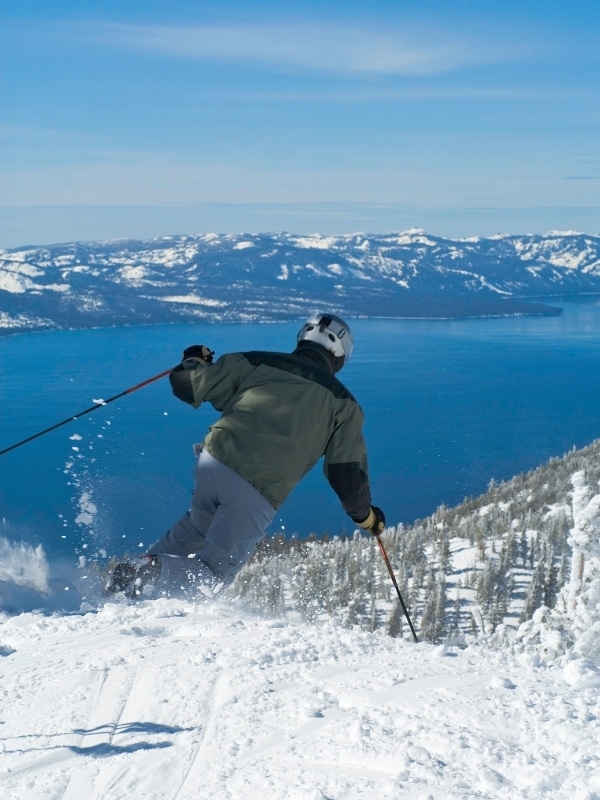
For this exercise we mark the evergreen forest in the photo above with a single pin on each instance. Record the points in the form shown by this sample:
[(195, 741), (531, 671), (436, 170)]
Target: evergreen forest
[(482, 567)]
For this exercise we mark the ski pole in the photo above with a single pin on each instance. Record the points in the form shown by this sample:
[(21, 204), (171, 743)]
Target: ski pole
[(395, 582), (87, 411)]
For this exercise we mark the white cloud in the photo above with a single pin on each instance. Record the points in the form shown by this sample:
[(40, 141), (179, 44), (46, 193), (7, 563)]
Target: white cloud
[(318, 47)]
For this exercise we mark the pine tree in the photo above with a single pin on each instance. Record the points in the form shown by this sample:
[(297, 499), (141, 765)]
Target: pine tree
[(434, 612), (395, 621), (523, 547), (457, 604), (535, 594), (440, 608), (551, 586), (445, 558)]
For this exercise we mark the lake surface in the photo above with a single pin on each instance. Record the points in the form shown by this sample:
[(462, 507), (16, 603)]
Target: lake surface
[(449, 406)]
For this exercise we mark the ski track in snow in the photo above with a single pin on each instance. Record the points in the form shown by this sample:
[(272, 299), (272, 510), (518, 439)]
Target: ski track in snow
[(176, 700)]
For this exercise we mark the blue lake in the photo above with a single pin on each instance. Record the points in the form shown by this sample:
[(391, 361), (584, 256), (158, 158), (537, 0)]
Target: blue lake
[(449, 406)]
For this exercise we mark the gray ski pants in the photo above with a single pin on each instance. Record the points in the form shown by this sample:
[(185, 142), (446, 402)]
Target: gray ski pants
[(212, 541)]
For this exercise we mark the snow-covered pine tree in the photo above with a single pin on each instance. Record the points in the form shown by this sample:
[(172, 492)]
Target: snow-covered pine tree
[(395, 621), (574, 624), (583, 592)]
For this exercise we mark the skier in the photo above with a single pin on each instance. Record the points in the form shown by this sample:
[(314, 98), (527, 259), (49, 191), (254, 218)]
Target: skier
[(280, 413)]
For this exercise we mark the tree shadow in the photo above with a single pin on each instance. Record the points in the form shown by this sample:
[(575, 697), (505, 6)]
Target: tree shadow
[(132, 727), (103, 750), (107, 748)]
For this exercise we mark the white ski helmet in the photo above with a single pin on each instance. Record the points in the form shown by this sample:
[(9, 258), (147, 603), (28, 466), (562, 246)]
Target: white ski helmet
[(330, 332)]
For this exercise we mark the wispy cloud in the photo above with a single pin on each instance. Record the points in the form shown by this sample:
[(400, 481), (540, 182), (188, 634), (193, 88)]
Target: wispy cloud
[(312, 47)]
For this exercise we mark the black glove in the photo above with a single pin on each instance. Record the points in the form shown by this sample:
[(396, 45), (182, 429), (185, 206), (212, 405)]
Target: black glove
[(199, 352), (374, 523)]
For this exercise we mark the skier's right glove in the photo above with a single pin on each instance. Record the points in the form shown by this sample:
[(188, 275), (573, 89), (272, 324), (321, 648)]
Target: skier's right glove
[(374, 523), (194, 355)]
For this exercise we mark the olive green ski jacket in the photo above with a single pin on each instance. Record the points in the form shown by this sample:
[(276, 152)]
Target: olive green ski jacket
[(281, 413)]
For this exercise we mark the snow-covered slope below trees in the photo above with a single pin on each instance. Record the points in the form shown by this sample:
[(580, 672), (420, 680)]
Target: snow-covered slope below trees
[(181, 700), (279, 276)]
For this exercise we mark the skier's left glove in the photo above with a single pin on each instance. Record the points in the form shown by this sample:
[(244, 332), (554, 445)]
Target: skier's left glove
[(374, 523), (197, 354)]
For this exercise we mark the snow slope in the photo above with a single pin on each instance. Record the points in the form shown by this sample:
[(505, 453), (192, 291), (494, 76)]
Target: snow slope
[(180, 700)]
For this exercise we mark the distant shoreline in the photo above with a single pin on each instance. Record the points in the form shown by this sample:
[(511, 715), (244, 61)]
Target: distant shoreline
[(521, 310)]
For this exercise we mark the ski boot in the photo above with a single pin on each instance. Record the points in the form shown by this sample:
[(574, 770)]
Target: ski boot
[(131, 578)]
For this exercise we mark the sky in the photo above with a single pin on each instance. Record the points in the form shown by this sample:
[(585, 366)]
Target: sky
[(141, 118)]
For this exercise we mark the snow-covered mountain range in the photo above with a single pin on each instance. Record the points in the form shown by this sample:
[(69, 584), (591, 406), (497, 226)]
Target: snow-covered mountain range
[(279, 276)]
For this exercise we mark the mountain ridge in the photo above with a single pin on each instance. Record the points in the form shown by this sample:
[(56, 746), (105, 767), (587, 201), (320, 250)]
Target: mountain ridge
[(283, 276)]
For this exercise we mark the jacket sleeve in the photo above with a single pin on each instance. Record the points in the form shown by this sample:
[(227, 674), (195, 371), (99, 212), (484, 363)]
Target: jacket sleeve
[(180, 379), (215, 383), (346, 465)]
